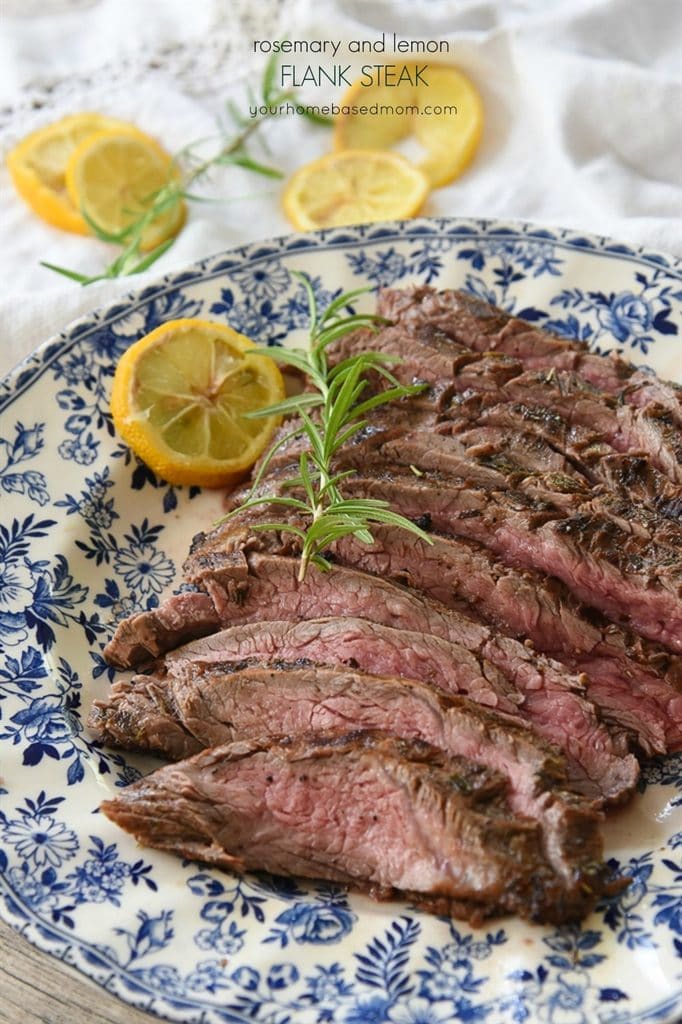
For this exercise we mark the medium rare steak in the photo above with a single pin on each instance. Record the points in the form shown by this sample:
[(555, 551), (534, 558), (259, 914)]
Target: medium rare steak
[(148, 634), (611, 568), (476, 325), (607, 564), (207, 707), (395, 818), (632, 475), (639, 682), (510, 462), (652, 430), (266, 586), (558, 714)]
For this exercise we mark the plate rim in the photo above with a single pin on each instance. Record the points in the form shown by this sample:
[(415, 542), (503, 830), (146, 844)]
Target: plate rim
[(584, 241)]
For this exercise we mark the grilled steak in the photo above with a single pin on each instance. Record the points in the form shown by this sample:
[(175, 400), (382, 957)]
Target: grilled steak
[(605, 565), (558, 714), (632, 475), (639, 683), (476, 325), (484, 690), (600, 556), (205, 708), (148, 634), (652, 430), (395, 818), (265, 586)]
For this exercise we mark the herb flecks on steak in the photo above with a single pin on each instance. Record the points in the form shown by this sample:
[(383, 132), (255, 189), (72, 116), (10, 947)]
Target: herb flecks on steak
[(518, 660)]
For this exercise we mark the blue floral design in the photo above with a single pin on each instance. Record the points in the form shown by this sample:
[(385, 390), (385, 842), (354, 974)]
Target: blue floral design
[(40, 840), (49, 725), (327, 920), (40, 845), (628, 317), (26, 444), (265, 282), (267, 949), (36, 594)]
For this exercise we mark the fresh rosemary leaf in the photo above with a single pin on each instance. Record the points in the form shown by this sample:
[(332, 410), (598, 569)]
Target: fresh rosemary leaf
[(329, 416), (65, 272), (243, 160), (188, 168), (292, 404)]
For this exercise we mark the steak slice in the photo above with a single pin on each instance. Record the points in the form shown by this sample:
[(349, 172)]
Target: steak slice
[(272, 591), (605, 565), (606, 561), (557, 714), (652, 430), (140, 714), (637, 679), (509, 463), (635, 685), (475, 324), (358, 643), (584, 449), (250, 701), (266, 587), (148, 634), (392, 817)]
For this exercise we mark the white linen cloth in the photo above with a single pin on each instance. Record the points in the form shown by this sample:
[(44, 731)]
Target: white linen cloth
[(583, 108)]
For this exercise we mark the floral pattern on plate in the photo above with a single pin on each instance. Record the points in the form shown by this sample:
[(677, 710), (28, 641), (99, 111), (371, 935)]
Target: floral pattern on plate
[(88, 534)]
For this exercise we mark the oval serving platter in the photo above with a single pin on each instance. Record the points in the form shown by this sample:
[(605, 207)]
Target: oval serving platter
[(87, 534)]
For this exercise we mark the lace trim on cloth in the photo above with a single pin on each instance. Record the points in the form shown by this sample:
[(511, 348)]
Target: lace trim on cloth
[(223, 58)]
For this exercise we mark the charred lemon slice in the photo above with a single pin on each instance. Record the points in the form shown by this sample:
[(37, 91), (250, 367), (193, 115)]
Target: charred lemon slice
[(180, 398)]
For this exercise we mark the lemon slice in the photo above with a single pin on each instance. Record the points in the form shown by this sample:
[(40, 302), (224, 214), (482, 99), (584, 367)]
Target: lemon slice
[(37, 166), (450, 139), (354, 187), (115, 176), (180, 396)]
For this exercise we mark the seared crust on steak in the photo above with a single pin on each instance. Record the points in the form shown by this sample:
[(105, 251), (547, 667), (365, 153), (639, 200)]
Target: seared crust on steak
[(362, 809)]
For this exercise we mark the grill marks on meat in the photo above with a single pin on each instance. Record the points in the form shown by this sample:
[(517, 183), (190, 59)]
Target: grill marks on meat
[(635, 683), (397, 818), (653, 429), (209, 707), (361, 644), (604, 564), (148, 634), (554, 480), (541, 689), (597, 762), (474, 324), (585, 450)]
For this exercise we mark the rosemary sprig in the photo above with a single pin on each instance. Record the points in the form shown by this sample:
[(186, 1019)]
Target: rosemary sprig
[(336, 398), (187, 169)]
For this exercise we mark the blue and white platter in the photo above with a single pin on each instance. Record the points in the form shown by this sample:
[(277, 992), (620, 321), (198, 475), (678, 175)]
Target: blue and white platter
[(87, 535)]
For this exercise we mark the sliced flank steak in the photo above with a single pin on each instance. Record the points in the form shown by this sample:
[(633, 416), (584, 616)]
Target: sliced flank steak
[(610, 567), (146, 635), (601, 558), (561, 716), (209, 707), (509, 463), (394, 818), (265, 586), (638, 683), (474, 324), (632, 475), (652, 430)]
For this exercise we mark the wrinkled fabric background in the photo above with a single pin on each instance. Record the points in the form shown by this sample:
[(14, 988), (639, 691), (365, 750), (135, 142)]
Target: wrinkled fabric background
[(583, 102)]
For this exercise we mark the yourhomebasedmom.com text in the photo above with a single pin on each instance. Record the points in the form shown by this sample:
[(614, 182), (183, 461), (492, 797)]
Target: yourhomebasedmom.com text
[(351, 109)]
